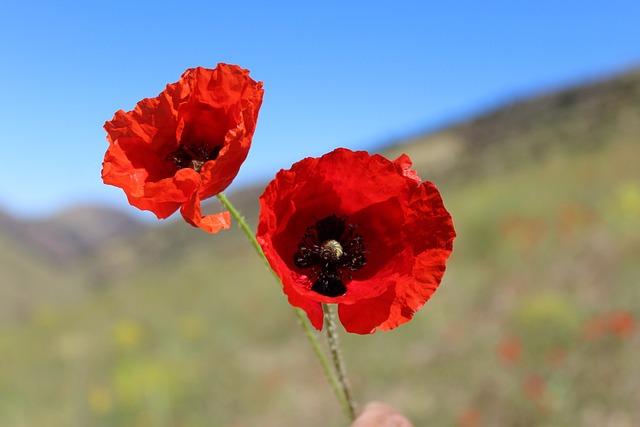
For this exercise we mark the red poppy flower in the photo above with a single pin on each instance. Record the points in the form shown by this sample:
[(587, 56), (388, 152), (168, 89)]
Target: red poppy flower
[(510, 350), (359, 231), (621, 323), (185, 145)]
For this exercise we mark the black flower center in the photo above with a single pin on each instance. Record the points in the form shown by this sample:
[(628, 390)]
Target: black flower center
[(192, 155), (332, 250)]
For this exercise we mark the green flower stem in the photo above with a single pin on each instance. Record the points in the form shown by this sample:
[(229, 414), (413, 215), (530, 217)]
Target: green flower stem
[(302, 317), (338, 362)]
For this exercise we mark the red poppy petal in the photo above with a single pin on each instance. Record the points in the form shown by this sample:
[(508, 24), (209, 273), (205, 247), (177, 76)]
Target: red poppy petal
[(218, 174), (192, 213), (162, 198), (413, 292), (403, 163), (364, 316), (287, 277), (223, 109), (312, 308), (429, 225), (430, 233)]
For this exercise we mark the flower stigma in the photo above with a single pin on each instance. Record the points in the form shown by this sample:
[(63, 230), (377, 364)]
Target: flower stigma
[(193, 156), (332, 250)]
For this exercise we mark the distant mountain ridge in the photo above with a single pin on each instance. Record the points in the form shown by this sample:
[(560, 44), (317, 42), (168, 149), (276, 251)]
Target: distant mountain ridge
[(69, 234)]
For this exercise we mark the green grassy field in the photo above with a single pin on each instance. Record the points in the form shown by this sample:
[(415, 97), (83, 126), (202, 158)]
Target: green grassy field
[(535, 324)]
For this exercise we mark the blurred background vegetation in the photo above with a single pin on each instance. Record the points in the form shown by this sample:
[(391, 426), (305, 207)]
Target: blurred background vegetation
[(106, 321)]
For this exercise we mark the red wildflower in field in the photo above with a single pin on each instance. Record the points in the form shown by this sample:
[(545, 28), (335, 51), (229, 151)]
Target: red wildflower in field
[(185, 145), (510, 350), (619, 323), (469, 417), (359, 231), (534, 387)]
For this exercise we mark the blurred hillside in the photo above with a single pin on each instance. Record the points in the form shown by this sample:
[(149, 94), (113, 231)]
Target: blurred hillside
[(569, 122), (110, 322)]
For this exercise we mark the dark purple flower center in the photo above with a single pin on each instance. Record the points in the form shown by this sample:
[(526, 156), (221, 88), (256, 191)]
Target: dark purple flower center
[(332, 250), (193, 155)]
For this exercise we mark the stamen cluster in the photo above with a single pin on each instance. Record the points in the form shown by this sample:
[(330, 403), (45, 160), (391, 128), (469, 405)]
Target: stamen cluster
[(332, 250), (193, 155)]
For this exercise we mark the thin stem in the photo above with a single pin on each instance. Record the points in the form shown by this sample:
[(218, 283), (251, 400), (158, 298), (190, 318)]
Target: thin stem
[(302, 318), (338, 362)]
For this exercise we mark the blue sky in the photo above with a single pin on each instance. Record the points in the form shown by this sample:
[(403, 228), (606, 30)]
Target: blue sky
[(336, 73)]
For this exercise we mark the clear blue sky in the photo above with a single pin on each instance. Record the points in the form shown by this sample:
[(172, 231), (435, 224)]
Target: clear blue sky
[(336, 73)]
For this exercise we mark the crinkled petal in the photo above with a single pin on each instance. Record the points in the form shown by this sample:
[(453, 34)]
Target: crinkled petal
[(312, 308), (296, 298), (366, 315), (403, 163), (192, 213), (428, 223), (429, 232)]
